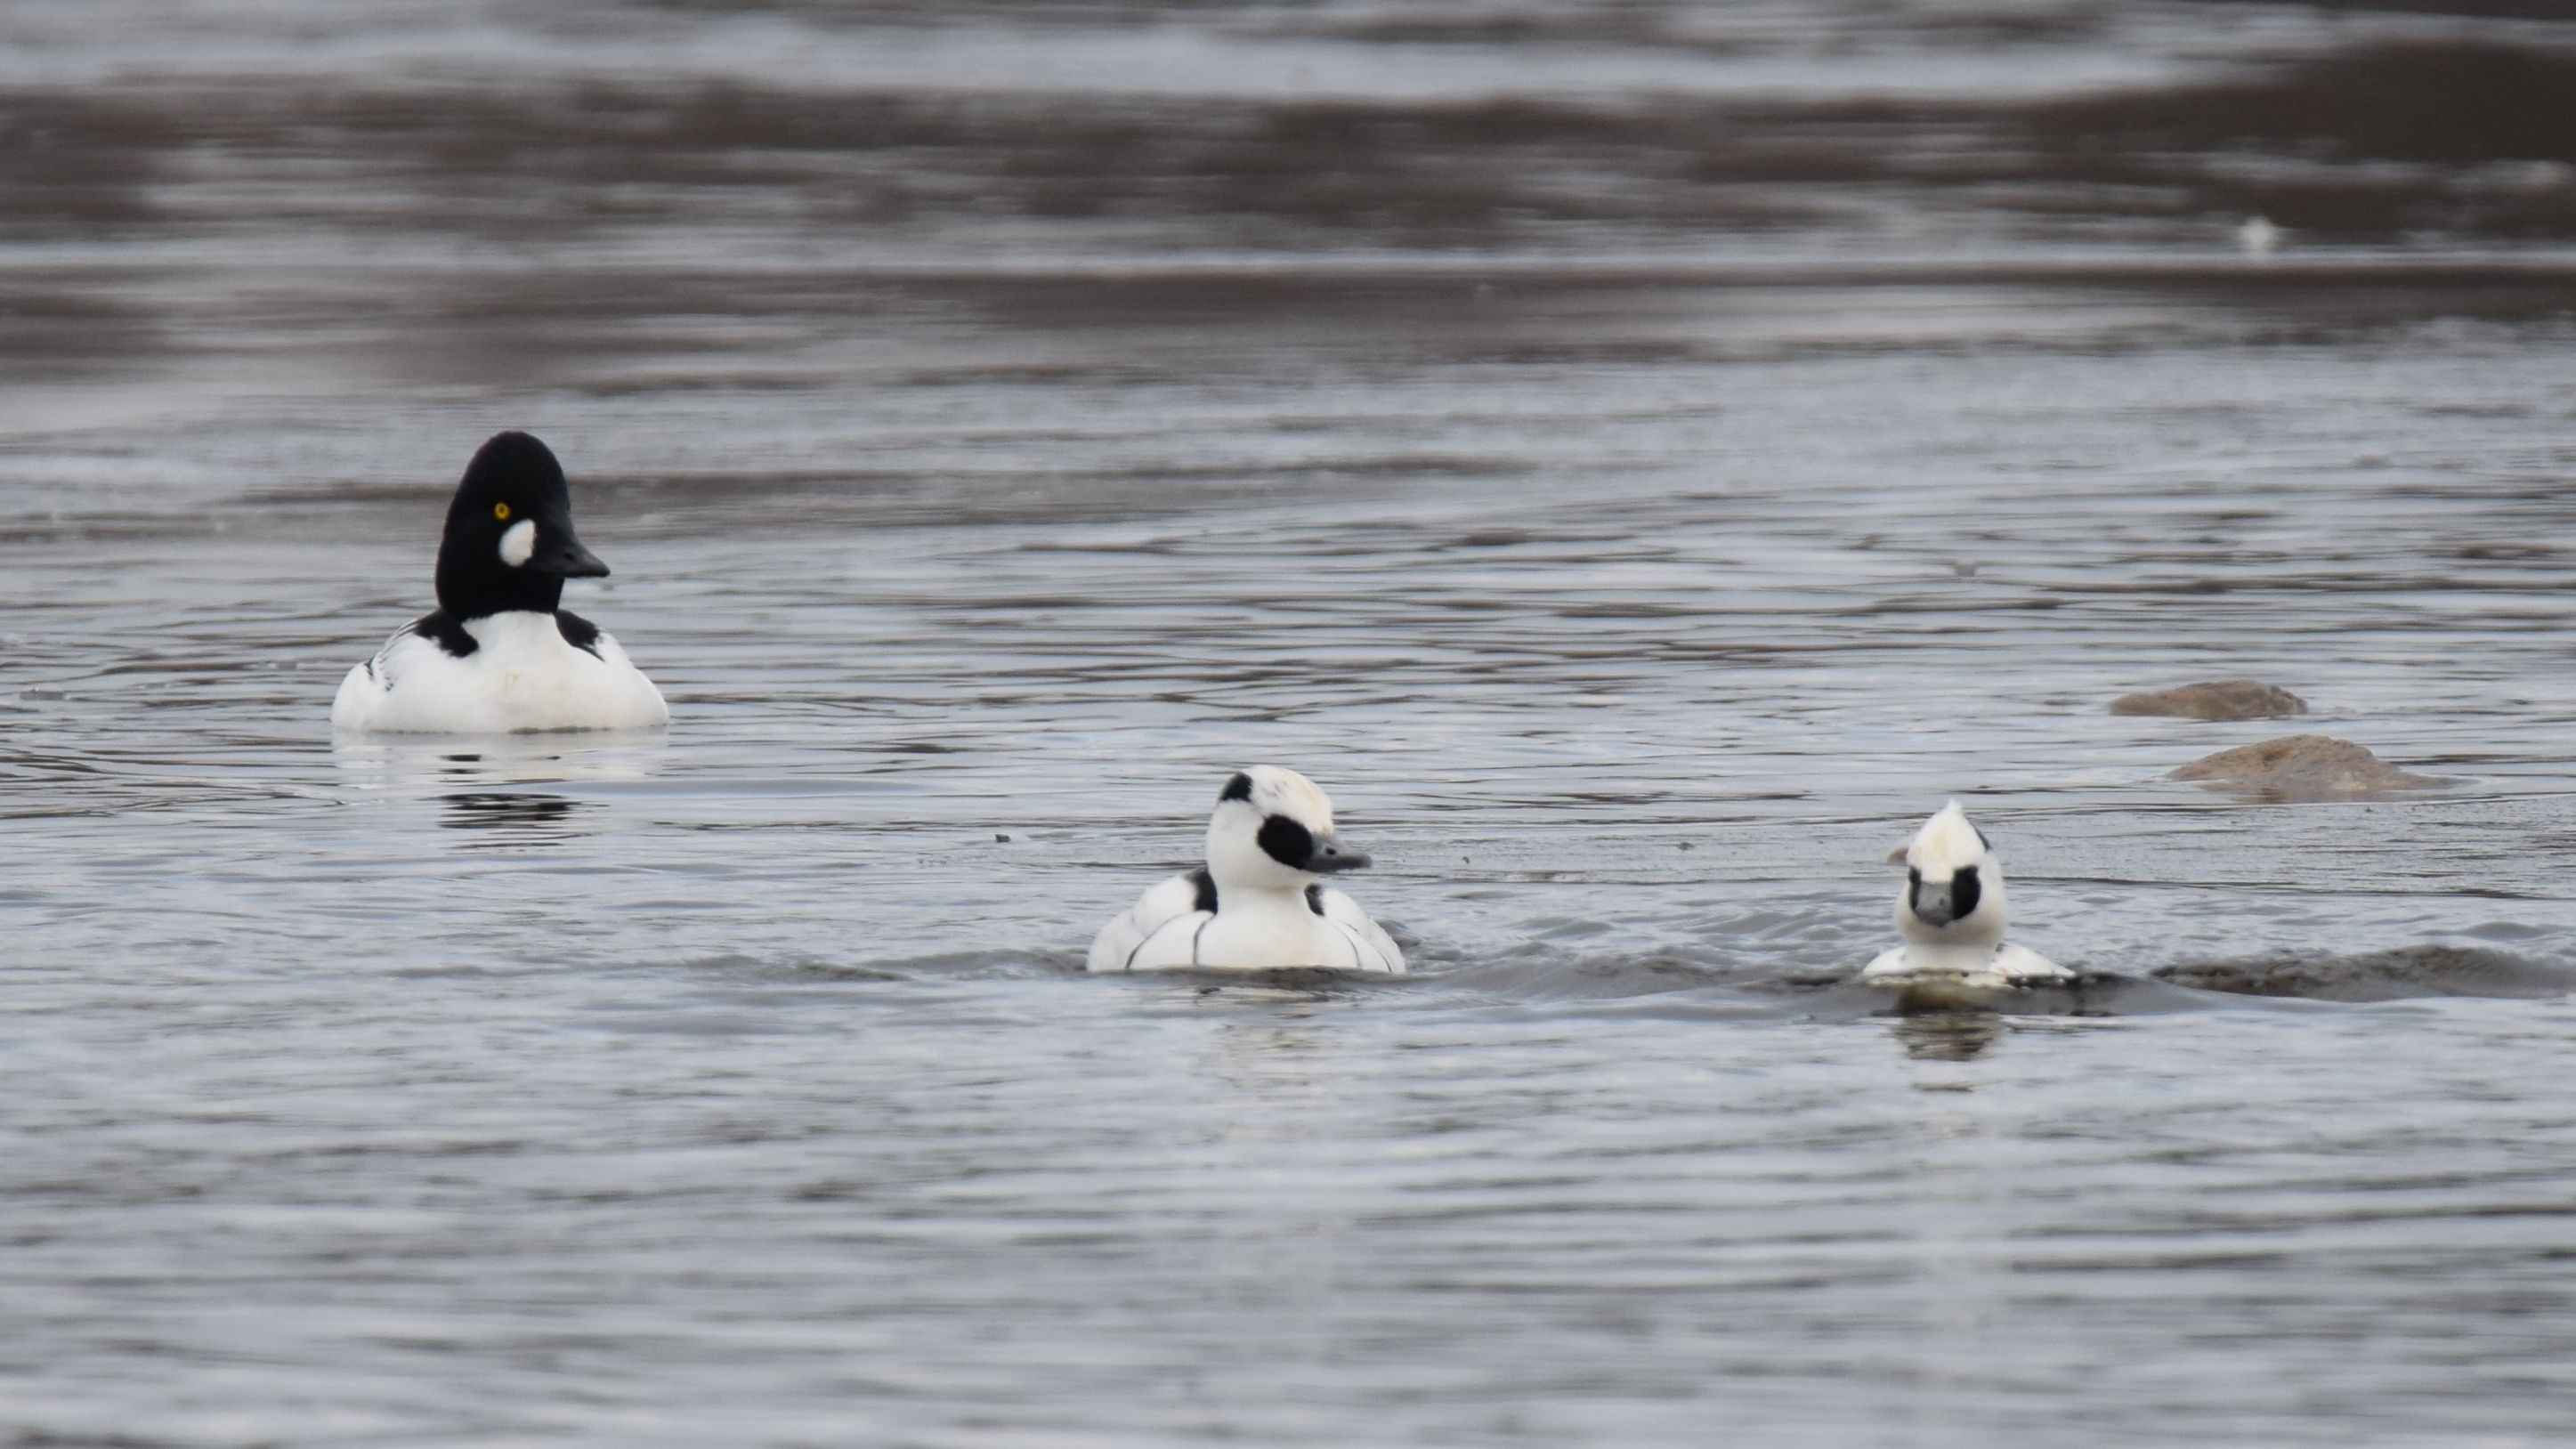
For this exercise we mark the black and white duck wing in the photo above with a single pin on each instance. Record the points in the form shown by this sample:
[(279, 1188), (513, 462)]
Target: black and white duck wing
[(2020, 963), (1155, 933), (423, 643), (423, 651), (1890, 962), (1374, 948)]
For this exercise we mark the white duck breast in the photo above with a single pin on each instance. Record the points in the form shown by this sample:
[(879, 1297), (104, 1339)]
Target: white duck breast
[(1258, 904), (524, 674), (501, 655), (1952, 913)]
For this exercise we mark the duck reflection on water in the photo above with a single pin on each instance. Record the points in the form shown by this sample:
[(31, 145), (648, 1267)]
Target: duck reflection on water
[(1947, 1036), (515, 818)]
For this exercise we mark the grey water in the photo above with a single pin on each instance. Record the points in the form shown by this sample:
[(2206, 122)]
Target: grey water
[(1641, 458)]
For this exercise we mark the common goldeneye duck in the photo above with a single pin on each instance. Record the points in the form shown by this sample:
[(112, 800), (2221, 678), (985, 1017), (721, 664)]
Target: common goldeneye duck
[(499, 656), (1259, 903), (1951, 914)]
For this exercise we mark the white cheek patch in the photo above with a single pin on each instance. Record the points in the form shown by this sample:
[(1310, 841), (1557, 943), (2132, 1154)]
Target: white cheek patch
[(518, 542)]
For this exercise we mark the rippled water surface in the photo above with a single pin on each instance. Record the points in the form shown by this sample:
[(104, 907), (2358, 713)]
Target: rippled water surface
[(1641, 458)]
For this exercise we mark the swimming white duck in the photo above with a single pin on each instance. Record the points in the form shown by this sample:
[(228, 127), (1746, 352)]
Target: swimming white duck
[(499, 656), (1951, 914), (1259, 903)]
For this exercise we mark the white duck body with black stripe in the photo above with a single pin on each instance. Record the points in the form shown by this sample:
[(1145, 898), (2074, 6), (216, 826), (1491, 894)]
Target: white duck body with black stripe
[(1952, 913), (1259, 904), (500, 655)]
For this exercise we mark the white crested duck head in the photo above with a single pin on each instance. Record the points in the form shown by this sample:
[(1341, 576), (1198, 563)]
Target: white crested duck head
[(1273, 830), (1954, 885)]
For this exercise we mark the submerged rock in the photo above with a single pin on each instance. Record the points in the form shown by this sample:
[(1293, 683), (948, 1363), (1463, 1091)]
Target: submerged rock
[(2391, 975), (2304, 767), (2215, 699)]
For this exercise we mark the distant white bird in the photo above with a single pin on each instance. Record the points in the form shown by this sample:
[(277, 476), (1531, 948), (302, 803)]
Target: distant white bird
[(2256, 236), (499, 655), (1258, 904), (1951, 914)]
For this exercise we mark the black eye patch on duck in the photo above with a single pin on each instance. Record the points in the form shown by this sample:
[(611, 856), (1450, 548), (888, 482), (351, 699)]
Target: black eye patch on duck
[(1964, 892), (1287, 842)]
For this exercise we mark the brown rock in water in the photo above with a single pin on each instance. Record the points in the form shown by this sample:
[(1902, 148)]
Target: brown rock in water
[(2389, 975), (2303, 767), (2216, 699)]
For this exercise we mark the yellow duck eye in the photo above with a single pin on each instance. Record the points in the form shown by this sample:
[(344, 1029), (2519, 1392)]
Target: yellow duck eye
[(500, 510)]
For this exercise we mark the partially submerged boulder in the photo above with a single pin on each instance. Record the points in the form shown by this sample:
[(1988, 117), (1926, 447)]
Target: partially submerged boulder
[(2215, 699), (2389, 975), (2304, 767)]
